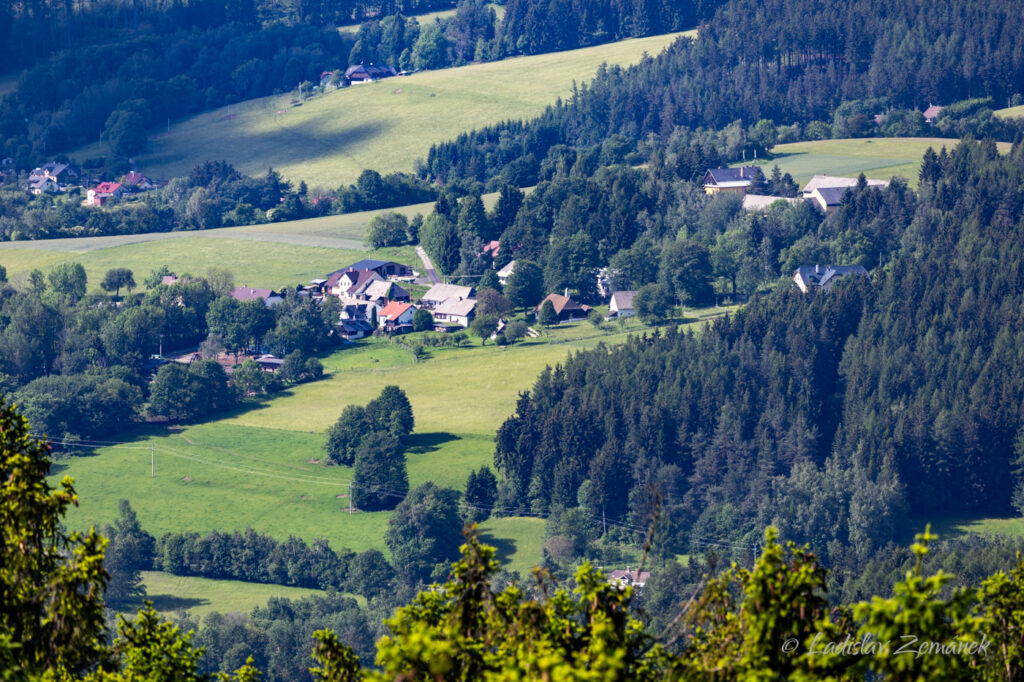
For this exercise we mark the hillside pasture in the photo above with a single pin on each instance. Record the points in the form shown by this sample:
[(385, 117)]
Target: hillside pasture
[(387, 125), (1011, 112), (878, 158), (200, 596)]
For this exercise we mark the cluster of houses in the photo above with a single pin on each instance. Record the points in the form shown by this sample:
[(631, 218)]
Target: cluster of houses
[(824, 192), (58, 178)]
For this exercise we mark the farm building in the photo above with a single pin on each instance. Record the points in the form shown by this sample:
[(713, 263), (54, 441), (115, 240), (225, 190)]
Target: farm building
[(833, 181), (251, 294), (621, 304), (460, 311), (103, 193), (566, 308), (367, 73), (384, 268), (439, 293)]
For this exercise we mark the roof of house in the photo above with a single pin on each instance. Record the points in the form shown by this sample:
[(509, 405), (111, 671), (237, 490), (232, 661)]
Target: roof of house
[(836, 181), (623, 300), (456, 306), (250, 294), (492, 247), (107, 187), (757, 202), (269, 360), (507, 270), (361, 279), (730, 177), (383, 289), (442, 292), (563, 304), (356, 325), (394, 310), (631, 577), (169, 279), (371, 70), (822, 274), (832, 196), (135, 178), (932, 112)]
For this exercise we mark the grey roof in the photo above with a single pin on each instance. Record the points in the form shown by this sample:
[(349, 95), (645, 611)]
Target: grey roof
[(442, 292), (833, 196), (721, 176), (623, 299), (382, 289), (456, 306), (836, 181), (821, 275)]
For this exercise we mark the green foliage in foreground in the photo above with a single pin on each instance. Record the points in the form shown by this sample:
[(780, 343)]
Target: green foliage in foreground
[(765, 622)]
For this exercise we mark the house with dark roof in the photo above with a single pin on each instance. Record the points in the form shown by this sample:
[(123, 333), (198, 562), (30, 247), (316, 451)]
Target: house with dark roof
[(385, 268), (824, 276), (733, 180), (567, 309), (828, 199), (367, 73)]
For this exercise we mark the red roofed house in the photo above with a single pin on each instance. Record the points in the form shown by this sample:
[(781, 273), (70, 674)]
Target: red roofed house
[(251, 294), (626, 578), (396, 317), (932, 113), (104, 192)]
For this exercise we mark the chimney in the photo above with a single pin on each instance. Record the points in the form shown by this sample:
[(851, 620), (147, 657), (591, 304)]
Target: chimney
[(567, 292)]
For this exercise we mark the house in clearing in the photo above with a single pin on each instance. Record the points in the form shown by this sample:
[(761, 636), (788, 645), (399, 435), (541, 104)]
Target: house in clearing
[(460, 311), (268, 363), (621, 304), (251, 294), (439, 293), (932, 113), (506, 272), (368, 73), (567, 309), (824, 276), (103, 193), (381, 292), (135, 181), (732, 180), (396, 317), (831, 181)]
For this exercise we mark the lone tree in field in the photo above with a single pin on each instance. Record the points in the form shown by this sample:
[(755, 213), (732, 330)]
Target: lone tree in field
[(380, 480), (344, 435), (116, 278)]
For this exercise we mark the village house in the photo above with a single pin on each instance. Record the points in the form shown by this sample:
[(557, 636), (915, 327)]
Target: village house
[(824, 276), (460, 311), (623, 579), (62, 174), (268, 363), (932, 113), (268, 296), (732, 180), (439, 293), (381, 293), (621, 304), (396, 317), (104, 193), (368, 73), (385, 269), (41, 185), (137, 182), (350, 283), (567, 309), (833, 181), (506, 272)]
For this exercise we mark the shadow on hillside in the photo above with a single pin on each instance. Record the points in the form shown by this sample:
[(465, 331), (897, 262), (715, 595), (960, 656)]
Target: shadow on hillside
[(424, 443), (504, 546), (169, 602)]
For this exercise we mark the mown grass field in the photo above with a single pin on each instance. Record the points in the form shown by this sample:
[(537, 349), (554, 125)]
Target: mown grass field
[(429, 17), (200, 596), (258, 467), (1011, 112), (879, 158), (386, 125)]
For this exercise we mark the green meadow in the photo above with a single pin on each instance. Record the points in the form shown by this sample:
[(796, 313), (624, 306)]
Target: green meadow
[(200, 596), (387, 125), (878, 158), (429, 17), (1011, 112), (260, 467)]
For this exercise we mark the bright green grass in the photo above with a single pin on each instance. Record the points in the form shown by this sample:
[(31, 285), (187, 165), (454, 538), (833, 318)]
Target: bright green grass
[(254, 263), (519, 541), (200, 596), (1012, 112), (948, 528), (429, 17), (386, 125), (879, 158)]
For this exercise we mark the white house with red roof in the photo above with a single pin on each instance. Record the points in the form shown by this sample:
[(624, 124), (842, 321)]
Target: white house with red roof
[(104, 192), (396, 316), (135, 181)]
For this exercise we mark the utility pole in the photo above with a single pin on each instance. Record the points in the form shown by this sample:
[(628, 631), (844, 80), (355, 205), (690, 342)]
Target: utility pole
[(152, 461), (351, 502), (604, 524)]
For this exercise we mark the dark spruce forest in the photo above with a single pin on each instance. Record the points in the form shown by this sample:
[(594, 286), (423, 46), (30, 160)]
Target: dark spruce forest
[(775, 470)]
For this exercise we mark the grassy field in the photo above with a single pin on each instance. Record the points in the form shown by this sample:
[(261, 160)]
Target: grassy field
[(259, 467), (879, 158), (200, 596), (952, 527), (386, 125), (1011, 112), (428, 17)]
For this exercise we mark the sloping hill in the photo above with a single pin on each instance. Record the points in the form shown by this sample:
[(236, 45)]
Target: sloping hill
[(386, 125)]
